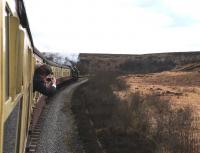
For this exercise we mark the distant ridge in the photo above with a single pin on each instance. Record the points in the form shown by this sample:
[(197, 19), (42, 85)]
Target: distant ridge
[(115, 62)]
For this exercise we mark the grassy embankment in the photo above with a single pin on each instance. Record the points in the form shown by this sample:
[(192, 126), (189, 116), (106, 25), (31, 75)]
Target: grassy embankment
[(142, 124)]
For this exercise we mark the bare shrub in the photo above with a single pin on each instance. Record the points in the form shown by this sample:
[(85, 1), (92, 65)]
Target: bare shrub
[(148, 65), (145, 124), (120, 85), (155, 121)]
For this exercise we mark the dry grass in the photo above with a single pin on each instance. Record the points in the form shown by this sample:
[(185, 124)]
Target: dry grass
[(142, 121), (180, 88)]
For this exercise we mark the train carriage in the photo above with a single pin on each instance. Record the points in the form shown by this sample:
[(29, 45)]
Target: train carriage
[(18, 59)]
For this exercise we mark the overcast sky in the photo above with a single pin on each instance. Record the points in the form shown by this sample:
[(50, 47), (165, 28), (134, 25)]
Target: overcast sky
[(115, 26)]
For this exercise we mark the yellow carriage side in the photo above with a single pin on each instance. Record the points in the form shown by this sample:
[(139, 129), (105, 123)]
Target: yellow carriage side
[(16, 79)]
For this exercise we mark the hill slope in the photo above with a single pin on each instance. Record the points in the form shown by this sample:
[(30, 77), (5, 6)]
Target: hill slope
[(146, 63)]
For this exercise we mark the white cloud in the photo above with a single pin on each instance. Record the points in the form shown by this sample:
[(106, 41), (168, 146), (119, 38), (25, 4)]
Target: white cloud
[(188, 8), (114, 26)]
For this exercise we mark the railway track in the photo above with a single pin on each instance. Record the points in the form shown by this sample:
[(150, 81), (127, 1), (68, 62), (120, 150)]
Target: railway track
[(56, 131)]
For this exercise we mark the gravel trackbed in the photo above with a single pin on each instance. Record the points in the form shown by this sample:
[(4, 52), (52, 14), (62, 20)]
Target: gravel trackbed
[(58, 129)]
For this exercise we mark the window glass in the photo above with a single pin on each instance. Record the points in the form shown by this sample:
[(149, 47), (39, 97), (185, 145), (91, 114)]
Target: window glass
[(7, 53), (27, 109), (19, 62), (11, 130)]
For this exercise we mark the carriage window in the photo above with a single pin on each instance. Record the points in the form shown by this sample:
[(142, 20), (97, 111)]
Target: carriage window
[(19, 125), (11, 127), (29, 64), (27, 109), (20, 62), (7, 82)]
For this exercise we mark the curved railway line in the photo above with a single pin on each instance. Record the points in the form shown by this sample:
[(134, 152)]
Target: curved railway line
[(57, 130)]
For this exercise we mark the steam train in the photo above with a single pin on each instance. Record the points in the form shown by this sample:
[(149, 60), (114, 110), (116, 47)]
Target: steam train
[(18, 59)]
